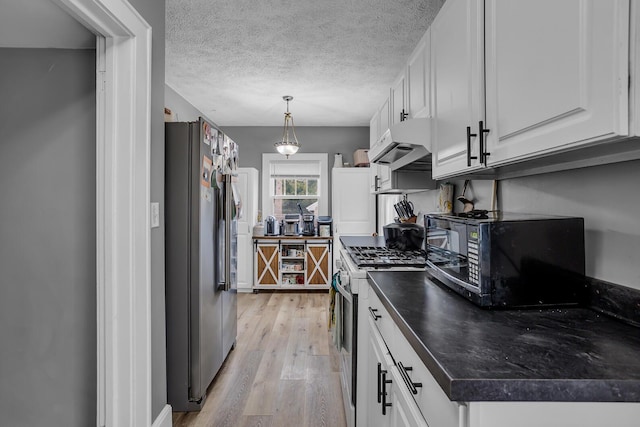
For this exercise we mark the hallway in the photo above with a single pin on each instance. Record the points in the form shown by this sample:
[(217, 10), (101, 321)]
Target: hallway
[(283, 372)]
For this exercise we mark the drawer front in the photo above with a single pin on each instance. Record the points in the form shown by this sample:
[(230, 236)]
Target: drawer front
[(380, 316), (434, 404)]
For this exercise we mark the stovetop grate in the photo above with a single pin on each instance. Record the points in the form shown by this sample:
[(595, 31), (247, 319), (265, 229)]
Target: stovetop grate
[(383, 257)]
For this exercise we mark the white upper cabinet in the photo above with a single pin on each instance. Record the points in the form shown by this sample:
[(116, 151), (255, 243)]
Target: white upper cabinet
[(457, 83), (385, 113), (635, 68), (418, 93), (398, 109), (556, 75), (410, 90), (379, 175), (374, 129)]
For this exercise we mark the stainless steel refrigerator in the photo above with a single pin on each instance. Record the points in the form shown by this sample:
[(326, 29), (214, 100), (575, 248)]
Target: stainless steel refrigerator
[(201, 210)]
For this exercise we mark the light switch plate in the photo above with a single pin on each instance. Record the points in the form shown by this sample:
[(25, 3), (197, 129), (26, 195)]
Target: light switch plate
[(155, 214)]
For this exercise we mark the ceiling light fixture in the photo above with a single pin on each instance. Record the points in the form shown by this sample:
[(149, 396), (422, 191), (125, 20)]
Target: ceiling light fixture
[(288, 146)]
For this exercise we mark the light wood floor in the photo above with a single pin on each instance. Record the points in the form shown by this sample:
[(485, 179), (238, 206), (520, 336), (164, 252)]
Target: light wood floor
[(283, 371)]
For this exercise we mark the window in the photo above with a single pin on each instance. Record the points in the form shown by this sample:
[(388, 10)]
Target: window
[(289, 182)]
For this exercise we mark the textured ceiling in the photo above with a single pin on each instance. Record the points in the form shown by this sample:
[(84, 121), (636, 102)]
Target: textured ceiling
[(235, 59)]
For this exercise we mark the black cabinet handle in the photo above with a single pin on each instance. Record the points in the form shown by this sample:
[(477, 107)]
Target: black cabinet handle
[(405, 376), (469, 156), (483, 153), (403, 115), (385, 381), (376, 187), (373, 313), (379, 384)]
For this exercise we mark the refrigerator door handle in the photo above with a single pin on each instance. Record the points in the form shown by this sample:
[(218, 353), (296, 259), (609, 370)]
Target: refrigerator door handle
[(228, 217)]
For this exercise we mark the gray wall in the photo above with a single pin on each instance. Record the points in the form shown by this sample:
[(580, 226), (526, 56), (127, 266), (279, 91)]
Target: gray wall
[(47, 238), (255, 140), (39, 96), (606, 196), (153, 12), (182, 110)]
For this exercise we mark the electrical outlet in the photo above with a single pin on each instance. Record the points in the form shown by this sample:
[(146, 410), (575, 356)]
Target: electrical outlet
[(155, 214)]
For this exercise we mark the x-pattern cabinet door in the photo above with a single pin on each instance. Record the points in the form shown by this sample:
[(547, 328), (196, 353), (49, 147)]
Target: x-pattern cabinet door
[(318, 262), (267, 261)]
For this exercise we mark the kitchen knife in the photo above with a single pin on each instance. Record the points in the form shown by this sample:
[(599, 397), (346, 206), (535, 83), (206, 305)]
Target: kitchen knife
[(395, 206), (403, 210), (407, 209)]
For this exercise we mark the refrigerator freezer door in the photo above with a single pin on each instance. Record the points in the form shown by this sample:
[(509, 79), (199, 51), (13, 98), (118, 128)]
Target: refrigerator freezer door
[(206, 325)]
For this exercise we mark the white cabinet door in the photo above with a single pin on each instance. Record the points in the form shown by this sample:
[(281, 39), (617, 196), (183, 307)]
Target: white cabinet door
[(374, 134), (378, 366), (418, 75), (556, 80), (404, 411), (457, 84), (374, 129), (352, 205), (634, 61), (398, 106), (384, 114), (247, 185), (245, 262)]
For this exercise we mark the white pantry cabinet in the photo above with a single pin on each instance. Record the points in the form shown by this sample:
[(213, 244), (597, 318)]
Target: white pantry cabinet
[(555, 81), (352, 206), (457, 86), (247, 185)]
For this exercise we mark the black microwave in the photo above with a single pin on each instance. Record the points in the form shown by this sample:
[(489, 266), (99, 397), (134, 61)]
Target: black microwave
[(508, 260)]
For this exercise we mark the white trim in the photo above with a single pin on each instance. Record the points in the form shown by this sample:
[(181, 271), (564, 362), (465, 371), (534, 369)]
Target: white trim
[(123, 200), (164, 419), (323, 158)]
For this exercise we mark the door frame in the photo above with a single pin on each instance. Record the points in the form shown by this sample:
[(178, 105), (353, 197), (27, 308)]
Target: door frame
[(123, 129)]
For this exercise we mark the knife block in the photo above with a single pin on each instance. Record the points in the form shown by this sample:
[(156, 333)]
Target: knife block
[(410, 219)]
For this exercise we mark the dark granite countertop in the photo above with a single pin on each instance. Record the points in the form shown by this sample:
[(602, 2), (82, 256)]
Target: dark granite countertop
[(551, 354)]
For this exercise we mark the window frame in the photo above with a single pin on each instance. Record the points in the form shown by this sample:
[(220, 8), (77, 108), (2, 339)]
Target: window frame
[(323, 181)]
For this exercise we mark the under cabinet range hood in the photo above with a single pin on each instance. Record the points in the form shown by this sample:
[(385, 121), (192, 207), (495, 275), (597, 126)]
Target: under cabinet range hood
[(405, 145)]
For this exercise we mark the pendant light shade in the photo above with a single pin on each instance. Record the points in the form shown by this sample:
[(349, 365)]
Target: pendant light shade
[(288, 146)]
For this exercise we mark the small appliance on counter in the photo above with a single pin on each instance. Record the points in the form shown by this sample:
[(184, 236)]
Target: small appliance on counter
[(503, 260), (325, 226), (291, 222), (258, 229), (271, 226), (307, 228), (405, 236), (361, 158)]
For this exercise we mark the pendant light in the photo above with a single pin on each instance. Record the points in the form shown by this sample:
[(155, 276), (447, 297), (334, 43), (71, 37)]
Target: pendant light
[(288, 146)]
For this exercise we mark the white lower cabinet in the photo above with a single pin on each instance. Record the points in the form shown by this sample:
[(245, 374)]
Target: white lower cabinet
[(404, 411), (379, 364), (414, 398), (388, 399)]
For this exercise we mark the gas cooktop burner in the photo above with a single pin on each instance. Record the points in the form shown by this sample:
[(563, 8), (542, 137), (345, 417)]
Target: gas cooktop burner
[(383, 257)]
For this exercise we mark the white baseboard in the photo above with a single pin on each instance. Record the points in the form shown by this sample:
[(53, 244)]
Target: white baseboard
[(164, 419)]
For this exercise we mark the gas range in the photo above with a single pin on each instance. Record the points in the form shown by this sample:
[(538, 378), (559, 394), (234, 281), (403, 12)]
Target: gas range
[(377, 257)]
